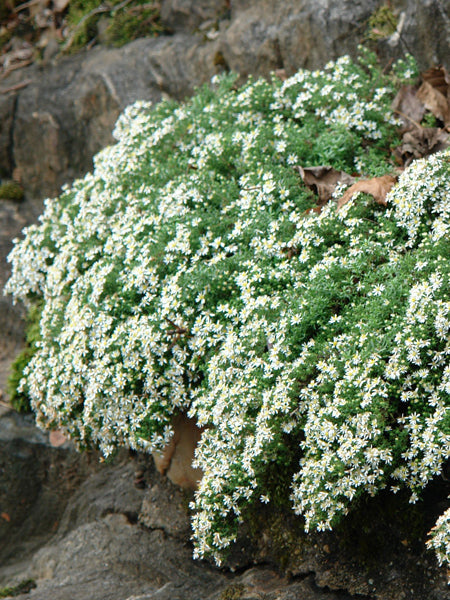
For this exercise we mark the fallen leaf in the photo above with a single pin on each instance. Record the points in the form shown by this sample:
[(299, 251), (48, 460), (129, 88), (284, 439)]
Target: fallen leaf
[(57, 438), (438, 78), (407, 105), (323, 180), (281, 74), (420, 142), (378, 187), (5, 517), (435, 102)]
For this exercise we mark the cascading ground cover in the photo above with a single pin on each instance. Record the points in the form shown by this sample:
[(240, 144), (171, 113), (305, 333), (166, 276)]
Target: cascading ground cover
[(188, 273)]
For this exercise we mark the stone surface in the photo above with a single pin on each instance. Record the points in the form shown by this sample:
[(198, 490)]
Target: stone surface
[(189, 15), (120, 531), (35, 481), (424, 32), (267, 35)]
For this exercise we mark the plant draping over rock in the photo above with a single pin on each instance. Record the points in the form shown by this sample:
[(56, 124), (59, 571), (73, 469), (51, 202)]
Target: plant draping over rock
[(188, 273)]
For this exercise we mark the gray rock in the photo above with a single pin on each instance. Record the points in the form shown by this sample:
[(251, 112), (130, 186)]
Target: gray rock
[(164, 507), (264, 35), (424, 32), (7, 110), (71, 107), (82, 531), (35, 483), (189, 15)]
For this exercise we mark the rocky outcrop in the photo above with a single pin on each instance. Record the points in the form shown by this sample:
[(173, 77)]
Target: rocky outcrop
[(76, 529), (121, 531)]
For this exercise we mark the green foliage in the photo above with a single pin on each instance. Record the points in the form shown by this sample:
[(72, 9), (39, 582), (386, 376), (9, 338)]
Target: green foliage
[(382, 23), (429, 120), (139, 21), (10, 190), (188, 273), (21, 588), (233, 592), (19, 394), (124, 23)]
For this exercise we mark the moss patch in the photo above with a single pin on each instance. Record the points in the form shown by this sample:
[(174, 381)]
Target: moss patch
[(19, 397), (382, 23), (21, 588), (10, 190), (233, 592), (124, 23)]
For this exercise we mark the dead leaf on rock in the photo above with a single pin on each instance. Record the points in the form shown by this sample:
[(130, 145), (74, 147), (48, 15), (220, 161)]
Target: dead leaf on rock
[(407, 105), (378, 187), (323, 180), (57, 438), (435, 102), (420, 142)]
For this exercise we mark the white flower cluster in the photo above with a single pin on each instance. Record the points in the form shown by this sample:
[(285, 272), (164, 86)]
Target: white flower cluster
[(440, 538), (188, 273)]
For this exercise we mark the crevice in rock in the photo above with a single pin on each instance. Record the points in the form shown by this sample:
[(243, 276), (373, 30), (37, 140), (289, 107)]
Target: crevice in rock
[(131, 516), (11, 158), (339, 593)]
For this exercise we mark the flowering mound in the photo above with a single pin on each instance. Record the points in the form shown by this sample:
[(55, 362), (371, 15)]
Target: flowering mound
[(188, 273)]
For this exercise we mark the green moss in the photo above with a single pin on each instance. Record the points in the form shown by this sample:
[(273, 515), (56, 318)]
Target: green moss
[(382, 23), (136, 19), (233, 592), (129, 25), (20, 400), (21, 588), (10, 190), (278, 535)]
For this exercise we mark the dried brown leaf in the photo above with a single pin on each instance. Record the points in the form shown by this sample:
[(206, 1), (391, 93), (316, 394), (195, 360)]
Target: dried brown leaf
[(323, 180), (435, 102), (438, 78), (378, 187), (420, 142), (408, 106)]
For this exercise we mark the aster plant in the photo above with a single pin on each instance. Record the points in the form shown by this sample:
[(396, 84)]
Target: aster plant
[(190, 273)]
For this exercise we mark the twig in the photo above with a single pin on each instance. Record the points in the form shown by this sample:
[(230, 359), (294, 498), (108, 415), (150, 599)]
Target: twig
[(398, 112), (141, 7), (13, 88), (20, 65), (96, 11), (25, 5)]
